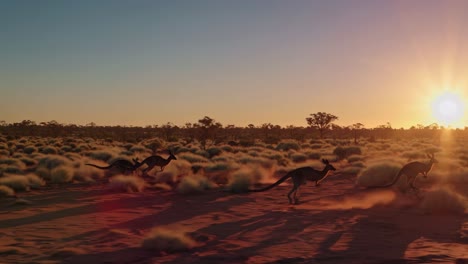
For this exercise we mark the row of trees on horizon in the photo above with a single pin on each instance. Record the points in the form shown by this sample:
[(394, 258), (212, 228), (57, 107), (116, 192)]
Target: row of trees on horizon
[(320, 125)]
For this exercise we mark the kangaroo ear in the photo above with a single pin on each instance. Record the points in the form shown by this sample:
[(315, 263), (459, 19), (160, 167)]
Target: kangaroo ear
[(323, 161), (429, 156), (326, 161)]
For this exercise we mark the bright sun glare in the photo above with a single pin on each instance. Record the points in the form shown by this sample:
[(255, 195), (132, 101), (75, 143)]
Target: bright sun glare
[(448, 109)]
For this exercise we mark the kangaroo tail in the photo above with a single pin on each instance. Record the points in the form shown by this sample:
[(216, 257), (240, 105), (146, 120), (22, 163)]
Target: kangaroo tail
[(392, 183), (99, 167), (285, 177)]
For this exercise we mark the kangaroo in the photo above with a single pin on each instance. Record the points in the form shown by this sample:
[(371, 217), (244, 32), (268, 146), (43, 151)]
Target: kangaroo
[(121, 164), (411, 170), (300, 176), (155, 160)]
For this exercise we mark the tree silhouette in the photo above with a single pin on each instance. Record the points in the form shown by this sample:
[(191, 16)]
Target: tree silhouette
[(208, 128), (321, 121), (356, 128)]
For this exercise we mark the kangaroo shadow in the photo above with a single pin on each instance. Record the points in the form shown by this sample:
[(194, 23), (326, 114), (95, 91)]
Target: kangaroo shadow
[(384, 235)]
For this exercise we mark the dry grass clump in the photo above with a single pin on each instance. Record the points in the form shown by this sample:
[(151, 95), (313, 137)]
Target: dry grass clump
[(29, 149), (344, 152), (52, 161), (193, 158), (378, 174), (6, 191), (101, 155), (87, 173), (28, 162), (124, 183), (166, 240), (313, 155), (11, 162), (240, 182), (15, 182), (242, 179), (10, 169), (34, 181), (194, 184), (221, 167), (355, 158), (49, 150), (213, 151), (288, 145), (444, 200), (298, 157), (61, 174)]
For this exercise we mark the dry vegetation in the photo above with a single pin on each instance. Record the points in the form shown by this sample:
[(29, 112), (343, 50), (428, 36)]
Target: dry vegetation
[(32, 163), (35, 164)]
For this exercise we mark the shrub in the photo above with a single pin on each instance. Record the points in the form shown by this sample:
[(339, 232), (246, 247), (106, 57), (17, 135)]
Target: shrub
[(15, 182), (100, 155), (239, 182), (137, 148), (154, 144), (35, 181), (192, 158), (28, 162), (61, 174), (288, 145), (49, 150), (168, 240), (214, 152), (194, 184), (6, 191), (313, 155), (126, 183), (378, 174), (344, 152), (52, 161), (29, 149), (298, 157), (87, 174)]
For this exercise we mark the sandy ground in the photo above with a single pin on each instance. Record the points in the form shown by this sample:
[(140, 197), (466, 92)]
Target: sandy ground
[(335, 223)]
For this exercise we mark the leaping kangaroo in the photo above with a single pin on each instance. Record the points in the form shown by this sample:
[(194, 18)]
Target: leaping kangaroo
[(300, 176), (121, 164), (155, 160), (411, 170)]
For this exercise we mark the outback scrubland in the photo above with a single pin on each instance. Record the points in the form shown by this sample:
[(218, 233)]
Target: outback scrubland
[(55, 209)]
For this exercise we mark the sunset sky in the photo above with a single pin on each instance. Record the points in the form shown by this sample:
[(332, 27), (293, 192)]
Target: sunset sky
[(239, 62)]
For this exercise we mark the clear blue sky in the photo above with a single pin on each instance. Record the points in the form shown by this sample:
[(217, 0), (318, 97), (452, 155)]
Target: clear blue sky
[(239, 62)]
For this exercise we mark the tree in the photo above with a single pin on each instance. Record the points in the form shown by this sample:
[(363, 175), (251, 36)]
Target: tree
[(356, 128), (208, 128), (321, 121)]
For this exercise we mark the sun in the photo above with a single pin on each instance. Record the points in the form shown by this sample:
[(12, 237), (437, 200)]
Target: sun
[(448, 108)]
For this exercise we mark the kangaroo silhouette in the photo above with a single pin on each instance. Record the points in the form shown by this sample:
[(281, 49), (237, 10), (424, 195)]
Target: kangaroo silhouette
[(411, 170), (300, 176)]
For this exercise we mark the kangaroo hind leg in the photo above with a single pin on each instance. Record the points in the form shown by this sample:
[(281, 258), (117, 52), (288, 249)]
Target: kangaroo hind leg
[(289, 194)]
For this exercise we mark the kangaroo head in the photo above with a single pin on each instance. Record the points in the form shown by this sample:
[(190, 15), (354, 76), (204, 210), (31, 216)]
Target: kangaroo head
[(136, 161), (431, 158), (328, 166), (171, 156)]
